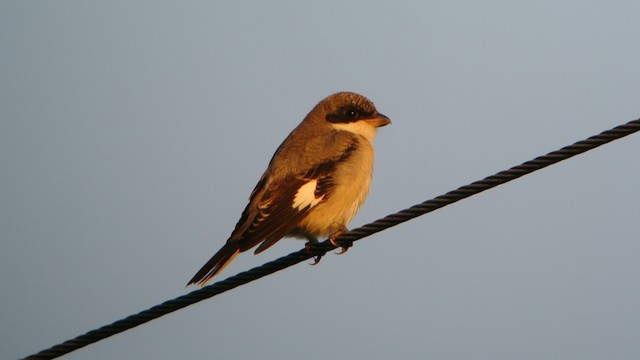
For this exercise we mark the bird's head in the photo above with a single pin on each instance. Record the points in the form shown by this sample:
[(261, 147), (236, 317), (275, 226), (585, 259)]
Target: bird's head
[(348, 111)]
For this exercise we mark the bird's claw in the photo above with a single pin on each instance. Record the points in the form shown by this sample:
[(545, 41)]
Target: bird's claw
[(312, 245), (312, 249), (344, 245), (342, 251), (316, 260)]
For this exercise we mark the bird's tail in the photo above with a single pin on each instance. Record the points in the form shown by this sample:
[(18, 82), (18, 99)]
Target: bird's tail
[(218, 262)]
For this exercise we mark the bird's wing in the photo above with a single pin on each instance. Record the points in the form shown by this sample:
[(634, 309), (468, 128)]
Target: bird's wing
[(269, 216), (276, 207), (272, 214), (281, 200)]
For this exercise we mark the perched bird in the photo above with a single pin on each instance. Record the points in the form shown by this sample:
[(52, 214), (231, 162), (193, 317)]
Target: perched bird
[(315, 183)]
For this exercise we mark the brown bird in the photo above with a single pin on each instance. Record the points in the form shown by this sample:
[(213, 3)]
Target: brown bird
[(315, 183)]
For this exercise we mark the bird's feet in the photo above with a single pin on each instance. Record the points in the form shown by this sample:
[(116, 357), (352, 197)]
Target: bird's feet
[(344, 245), (312, 248)]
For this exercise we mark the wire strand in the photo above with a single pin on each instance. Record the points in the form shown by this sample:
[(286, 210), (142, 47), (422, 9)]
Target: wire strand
[(386, 222)]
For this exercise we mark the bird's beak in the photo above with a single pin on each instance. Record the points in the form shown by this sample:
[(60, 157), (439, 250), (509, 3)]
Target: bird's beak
[(379, 120)]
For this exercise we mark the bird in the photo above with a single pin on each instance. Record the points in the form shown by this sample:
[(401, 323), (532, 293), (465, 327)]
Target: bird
[(314, 184)]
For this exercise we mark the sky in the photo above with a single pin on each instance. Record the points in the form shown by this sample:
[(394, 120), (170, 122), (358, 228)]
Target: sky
[(132, 133)]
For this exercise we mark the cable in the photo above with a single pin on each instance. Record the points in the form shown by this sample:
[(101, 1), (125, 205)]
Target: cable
[(353, 235)]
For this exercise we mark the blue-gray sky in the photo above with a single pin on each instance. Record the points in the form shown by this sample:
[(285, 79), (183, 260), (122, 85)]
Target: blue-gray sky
[(131, 134)]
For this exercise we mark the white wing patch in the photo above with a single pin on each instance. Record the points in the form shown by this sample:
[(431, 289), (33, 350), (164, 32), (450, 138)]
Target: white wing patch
[(305, 196)]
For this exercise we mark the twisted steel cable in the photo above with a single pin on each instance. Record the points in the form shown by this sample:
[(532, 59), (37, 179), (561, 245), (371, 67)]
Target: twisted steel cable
[(346, 238)]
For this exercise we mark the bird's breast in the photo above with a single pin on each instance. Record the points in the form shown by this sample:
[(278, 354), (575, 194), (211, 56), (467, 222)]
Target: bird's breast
[(352, 178)]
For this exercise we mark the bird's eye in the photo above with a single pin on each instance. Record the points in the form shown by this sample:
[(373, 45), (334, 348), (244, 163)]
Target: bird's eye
[(352, 113)]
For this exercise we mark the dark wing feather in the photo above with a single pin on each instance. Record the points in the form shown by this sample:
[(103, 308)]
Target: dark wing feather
[(274, 215)]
